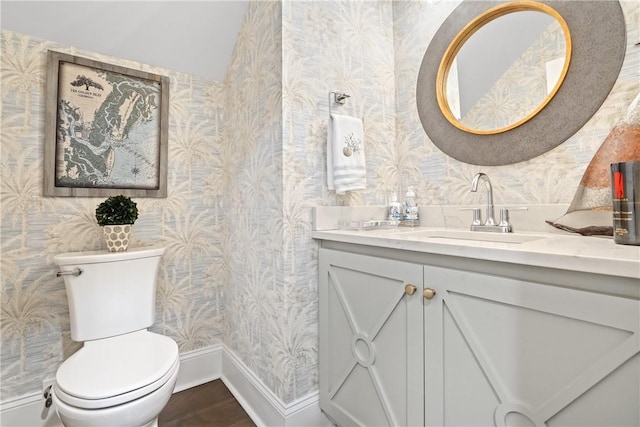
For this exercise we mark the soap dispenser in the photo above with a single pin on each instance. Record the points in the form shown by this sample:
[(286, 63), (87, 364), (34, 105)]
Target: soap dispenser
[(410, 218), (396, 211)]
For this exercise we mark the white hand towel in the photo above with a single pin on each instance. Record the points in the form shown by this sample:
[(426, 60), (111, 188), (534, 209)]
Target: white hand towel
[(346, 167)]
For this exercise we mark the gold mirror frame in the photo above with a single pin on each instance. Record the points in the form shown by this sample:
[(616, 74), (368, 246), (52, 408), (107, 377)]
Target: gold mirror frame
[(469, 30)]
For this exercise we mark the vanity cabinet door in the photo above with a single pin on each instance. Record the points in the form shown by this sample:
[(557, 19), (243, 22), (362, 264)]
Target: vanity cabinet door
[(371, 361), (500, 351)]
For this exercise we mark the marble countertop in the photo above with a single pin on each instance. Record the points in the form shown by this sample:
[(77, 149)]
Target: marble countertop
[(552, 250)]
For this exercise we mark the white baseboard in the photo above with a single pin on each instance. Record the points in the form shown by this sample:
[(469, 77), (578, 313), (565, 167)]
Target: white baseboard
[(196, 367), (262, 405), (199, 367)]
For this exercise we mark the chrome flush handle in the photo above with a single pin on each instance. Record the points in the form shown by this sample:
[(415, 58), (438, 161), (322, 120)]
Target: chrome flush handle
[(75, 272)]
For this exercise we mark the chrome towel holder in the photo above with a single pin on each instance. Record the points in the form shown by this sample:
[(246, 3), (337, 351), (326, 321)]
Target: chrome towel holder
[(338, 98)]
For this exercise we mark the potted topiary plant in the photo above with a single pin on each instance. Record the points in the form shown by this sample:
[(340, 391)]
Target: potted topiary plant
[(116, 215)]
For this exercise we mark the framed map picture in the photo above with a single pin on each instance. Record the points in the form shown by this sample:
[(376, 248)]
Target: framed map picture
[(106, 129)]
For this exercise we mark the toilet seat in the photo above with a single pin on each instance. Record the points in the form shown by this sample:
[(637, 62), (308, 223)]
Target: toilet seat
[(116, 370)]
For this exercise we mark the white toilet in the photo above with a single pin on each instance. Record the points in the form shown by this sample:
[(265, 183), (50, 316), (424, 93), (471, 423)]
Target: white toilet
[(123, 375)]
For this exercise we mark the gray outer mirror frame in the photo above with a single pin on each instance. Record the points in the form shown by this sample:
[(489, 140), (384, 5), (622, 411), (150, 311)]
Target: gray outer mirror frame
[(598, 36)]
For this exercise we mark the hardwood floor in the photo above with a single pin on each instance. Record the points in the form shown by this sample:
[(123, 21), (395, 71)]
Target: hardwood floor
[(210, 404)]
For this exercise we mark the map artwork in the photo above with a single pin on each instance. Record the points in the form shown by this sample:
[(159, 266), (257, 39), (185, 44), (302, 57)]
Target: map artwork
[(108, 129)]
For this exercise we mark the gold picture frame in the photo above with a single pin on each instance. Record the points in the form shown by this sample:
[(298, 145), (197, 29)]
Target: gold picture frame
[(106, 129)]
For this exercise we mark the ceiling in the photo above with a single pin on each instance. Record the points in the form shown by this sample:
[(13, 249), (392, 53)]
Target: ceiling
[(194, 37)]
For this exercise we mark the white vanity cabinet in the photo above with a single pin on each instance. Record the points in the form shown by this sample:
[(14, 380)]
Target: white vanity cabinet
[(492, 346), (502, 351), (371, 361)]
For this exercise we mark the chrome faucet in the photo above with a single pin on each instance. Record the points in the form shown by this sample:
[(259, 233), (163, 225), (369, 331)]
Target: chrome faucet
[(490, 221), (504, 226)]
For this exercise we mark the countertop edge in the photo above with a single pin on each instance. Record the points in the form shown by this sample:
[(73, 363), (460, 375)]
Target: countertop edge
[(566, 252)]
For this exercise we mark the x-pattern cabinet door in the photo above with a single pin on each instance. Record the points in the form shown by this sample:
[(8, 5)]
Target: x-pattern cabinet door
[(371, 340), (501, 351)]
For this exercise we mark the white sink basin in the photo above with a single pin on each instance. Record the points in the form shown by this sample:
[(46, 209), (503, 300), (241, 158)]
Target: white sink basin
[(478, 236)]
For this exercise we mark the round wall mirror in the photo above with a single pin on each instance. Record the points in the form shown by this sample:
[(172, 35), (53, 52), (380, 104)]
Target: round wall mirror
[(469, 126), (488, 83)]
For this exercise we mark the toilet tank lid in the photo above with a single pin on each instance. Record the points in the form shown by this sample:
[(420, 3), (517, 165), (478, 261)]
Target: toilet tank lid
[(92, 257)]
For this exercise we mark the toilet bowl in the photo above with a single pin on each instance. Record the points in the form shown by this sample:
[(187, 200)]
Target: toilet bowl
[(124, 374), (120, 381)]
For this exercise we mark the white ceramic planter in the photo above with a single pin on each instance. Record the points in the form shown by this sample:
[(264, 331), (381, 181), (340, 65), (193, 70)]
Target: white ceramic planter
[(117, 237)]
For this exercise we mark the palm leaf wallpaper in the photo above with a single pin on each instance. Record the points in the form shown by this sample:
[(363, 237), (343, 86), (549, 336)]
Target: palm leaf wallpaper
[(246, 164), (35, 324)]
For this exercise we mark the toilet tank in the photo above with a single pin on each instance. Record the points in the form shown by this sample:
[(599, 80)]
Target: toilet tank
[(114, 294)]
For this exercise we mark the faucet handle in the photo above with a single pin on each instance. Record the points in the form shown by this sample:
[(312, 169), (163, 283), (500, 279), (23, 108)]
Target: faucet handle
[(504, 215), (477, 215)]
